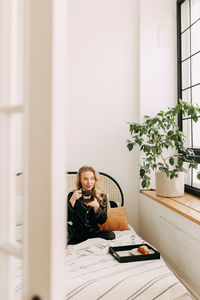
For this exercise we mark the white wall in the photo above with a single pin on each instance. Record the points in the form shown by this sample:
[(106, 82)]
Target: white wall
[(121, 65), (158, 66), (103, 86), (157, 55)]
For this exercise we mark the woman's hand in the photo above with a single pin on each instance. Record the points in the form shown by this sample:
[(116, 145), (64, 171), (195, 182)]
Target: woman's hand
[(76, 195), (94, 204)]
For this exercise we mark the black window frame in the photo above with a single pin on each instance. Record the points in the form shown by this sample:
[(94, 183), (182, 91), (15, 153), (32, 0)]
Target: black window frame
[(188, 188)]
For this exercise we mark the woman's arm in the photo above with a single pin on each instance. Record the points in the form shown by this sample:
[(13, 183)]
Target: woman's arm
[(76, 210), (101, 213), (70, 210), (74, 196)]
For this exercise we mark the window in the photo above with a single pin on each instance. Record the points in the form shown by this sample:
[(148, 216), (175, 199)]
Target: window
[(11, 144), (188, 50)]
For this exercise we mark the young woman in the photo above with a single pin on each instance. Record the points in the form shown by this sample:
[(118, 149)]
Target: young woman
[(87, 208)]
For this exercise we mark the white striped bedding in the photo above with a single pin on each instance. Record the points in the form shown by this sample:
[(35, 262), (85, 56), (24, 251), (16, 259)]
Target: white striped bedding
[(92, 273)]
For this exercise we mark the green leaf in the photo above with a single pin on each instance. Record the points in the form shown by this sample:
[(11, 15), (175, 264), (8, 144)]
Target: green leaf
[(170, 132), (154, 150), (191, 111), (195, 165), (195, 118), (176, 144), (171, 161), (147, 183), (198, 176), (161, 113), (131, 127), (143, 183), (138, 140), (181, 101), (180, 162), (142, 172), (130, 146)]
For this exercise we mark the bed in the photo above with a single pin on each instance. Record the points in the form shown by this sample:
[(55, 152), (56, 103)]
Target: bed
[(92, 273)]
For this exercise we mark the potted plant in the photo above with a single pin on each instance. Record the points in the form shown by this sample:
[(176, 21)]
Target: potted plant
[(163, 145)]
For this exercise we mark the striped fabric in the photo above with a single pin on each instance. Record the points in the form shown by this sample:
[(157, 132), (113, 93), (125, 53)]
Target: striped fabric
[(92, 273)]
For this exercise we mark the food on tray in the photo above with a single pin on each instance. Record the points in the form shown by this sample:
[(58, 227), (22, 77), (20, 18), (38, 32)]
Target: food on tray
[(143, 249), (134, 251)]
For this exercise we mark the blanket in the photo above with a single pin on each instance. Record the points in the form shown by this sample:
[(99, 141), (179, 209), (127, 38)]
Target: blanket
[(92, 273)]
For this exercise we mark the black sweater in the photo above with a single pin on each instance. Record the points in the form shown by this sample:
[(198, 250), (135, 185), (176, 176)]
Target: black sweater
[(83, 218)]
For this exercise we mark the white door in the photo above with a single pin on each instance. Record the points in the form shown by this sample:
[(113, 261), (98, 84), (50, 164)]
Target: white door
[(11, 139), (32, 141)]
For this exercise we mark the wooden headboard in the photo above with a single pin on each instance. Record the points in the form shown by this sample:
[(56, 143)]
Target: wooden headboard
[(108, 184)]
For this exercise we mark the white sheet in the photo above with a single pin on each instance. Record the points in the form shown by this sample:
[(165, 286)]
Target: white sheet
[(92, 273)]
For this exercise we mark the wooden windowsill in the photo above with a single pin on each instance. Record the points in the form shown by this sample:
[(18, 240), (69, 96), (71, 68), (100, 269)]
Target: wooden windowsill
[(187, 205)]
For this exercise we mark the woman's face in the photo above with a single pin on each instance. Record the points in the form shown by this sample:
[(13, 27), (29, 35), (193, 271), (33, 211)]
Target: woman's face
[(87, 180)]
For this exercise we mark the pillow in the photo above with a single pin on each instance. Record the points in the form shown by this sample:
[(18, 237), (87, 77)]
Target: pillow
[(113, 203), (116, 219)]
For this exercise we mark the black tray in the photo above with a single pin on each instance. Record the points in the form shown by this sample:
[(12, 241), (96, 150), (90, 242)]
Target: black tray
[(115, 251)]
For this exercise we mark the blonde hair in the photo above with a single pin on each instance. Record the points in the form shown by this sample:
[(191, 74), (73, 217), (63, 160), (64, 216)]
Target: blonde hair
[(96, 189)]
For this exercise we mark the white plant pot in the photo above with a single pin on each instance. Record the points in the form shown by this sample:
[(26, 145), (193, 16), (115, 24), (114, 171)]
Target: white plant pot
[(167, 187)]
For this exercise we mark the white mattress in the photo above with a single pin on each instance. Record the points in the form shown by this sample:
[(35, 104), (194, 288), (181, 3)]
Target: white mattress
[(92, 273)]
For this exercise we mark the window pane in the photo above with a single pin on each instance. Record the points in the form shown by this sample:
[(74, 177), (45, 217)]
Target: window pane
[(184, 15), (195, 41), (196, 95), (196, 134), (3, 275), (16, 132), (196, 69), (186, 74), (11, 277), (19, 193), (195, 10), (186, 95), (16, 53), (189, 76), (16, 158), (15, 278), (185, 44), (187, 132)]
